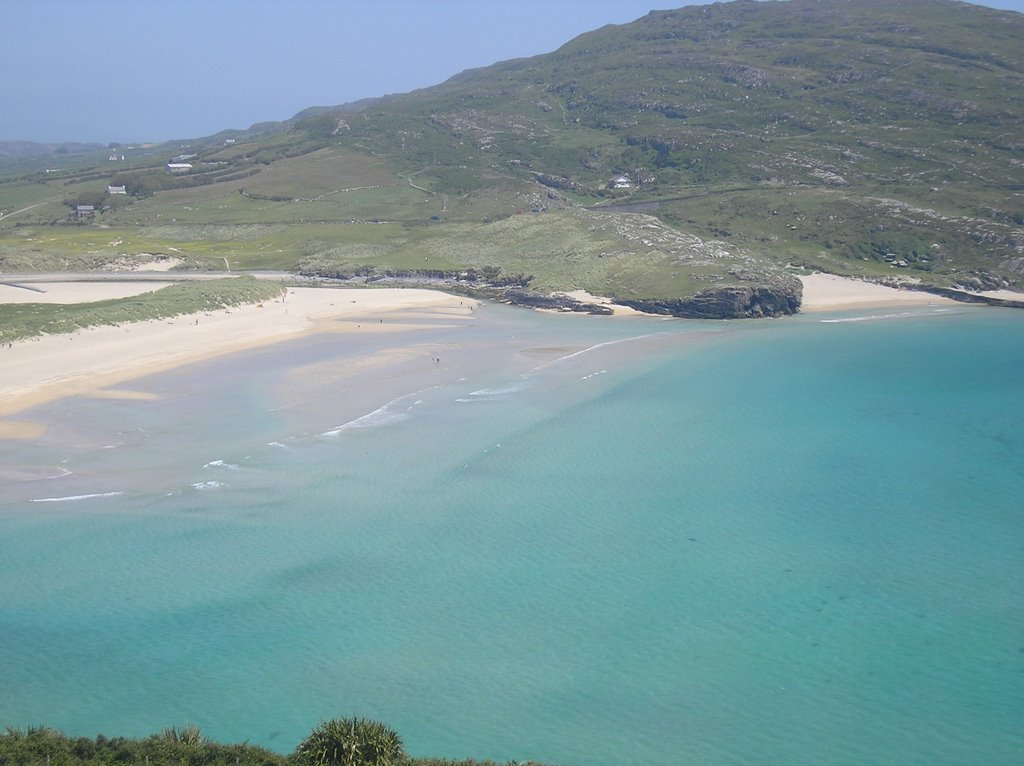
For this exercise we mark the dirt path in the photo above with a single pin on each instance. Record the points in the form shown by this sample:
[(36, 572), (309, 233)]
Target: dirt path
[(30, 207)]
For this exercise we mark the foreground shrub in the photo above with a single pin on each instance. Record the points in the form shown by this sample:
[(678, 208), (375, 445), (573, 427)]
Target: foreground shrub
[(346, 742), (351, 742), (42, 746)]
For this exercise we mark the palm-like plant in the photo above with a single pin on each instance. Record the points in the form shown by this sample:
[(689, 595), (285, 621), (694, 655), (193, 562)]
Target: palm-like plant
[(188, 735), (351, 742)]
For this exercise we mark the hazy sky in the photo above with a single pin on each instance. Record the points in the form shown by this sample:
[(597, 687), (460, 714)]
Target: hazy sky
[(154, 70)]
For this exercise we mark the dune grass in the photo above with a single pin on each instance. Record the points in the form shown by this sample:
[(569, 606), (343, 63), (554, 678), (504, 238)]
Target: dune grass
[(19, 321)]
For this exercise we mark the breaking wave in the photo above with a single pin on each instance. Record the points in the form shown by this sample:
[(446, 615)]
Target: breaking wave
[(70, 498), (382, 416), (486, 394), (204, 486)]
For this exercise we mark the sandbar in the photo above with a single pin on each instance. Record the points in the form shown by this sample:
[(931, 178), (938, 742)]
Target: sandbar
[(91, 361)]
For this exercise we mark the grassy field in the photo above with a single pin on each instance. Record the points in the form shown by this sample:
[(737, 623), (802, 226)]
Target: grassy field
[(627, 255), (201, 246), (322, 172), (18, 194), (239, 205)]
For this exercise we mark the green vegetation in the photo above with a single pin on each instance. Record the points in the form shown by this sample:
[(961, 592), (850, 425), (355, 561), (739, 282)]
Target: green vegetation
[(345, 742), (351, 742), (41, 746), (28, 320), (627, 255), (858, 137)]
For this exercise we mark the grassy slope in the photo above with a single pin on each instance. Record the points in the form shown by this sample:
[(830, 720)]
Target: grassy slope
[(628, 255), (858, 137)]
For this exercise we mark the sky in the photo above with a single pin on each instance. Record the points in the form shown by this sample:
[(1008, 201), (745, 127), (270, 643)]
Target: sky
[(156, 70)]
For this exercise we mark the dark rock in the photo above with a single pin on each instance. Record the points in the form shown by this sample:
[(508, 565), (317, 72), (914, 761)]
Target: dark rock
[(558, 302), (779, 298), (727, 303), (959, 295)]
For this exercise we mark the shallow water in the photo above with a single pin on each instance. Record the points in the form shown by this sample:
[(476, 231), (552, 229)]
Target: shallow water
[(576, 540)]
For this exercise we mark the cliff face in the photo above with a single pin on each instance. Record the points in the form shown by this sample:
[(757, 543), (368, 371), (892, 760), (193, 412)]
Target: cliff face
[(729, 303)]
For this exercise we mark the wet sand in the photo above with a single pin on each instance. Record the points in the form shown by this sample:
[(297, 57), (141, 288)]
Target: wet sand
[(91, 361)]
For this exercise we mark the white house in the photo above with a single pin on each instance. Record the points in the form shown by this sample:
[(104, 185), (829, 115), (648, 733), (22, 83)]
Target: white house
[(621, 182), (116, 190)]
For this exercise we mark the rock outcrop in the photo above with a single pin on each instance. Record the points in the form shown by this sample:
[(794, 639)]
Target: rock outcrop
[(965, 297), (780, 297), (557, 302), (752, 302)]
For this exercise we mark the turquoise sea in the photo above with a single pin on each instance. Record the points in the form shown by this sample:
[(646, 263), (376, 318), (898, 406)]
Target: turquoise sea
[(579, 540)]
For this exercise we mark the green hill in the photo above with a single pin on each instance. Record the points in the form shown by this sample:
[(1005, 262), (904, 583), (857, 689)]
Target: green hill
[(875, 139)]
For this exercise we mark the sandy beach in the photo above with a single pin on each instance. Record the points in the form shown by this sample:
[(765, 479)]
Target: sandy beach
[(617, 309), (96, 360), (826, 292), (74, 292)]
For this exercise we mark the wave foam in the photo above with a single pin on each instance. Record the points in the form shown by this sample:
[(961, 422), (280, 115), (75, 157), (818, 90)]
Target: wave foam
[(870, 318), (597, 346), (203, 486), (882, 317), (70, 498), (486, 394), (382, 416)]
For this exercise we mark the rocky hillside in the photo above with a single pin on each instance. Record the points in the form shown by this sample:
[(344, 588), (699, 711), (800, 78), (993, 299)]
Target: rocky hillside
[(855, 135), (696, 157)]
